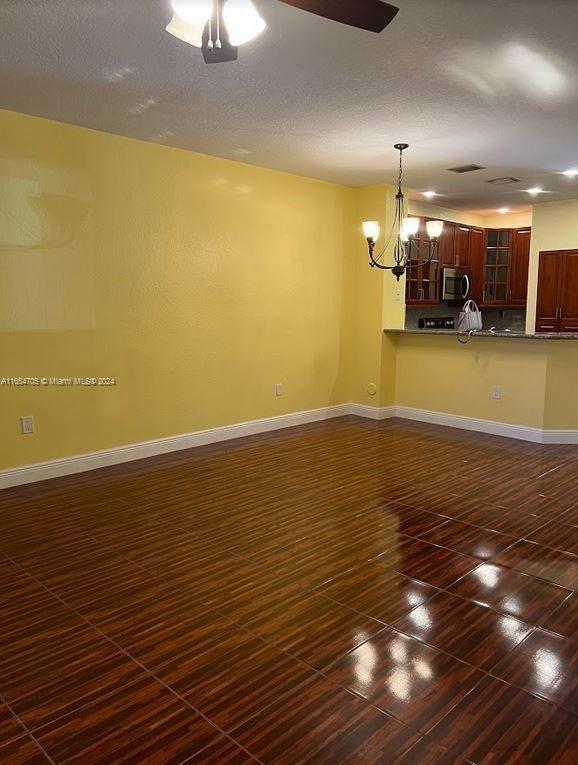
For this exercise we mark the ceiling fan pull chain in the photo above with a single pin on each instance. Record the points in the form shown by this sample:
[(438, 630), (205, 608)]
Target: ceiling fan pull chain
[(218, 40), (210, 41)]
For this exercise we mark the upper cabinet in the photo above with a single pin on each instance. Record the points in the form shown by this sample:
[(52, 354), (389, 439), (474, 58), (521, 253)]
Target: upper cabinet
[(422, 281), (520, 264), (497, 266), (462, 246), (505, 276), (476, 261), (447, 245), (557, 304), (497, 259)]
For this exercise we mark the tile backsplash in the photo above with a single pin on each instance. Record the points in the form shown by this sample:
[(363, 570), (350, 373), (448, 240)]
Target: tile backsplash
[(507, 318)]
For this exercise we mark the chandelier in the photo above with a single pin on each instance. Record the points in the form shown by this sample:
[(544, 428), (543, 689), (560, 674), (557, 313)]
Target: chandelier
[(403, 237)]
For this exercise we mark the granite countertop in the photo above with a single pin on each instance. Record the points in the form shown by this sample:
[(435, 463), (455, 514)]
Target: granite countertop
[(487, 333)]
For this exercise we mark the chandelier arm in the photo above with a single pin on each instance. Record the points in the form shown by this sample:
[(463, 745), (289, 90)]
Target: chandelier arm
[(403, 244)]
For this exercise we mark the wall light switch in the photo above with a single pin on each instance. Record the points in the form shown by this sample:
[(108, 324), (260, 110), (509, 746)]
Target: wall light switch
[(279, 389), (26, 425), (497, 392)]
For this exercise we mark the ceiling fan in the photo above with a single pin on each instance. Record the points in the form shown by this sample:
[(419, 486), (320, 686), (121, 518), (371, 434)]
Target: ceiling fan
[(218, 27)]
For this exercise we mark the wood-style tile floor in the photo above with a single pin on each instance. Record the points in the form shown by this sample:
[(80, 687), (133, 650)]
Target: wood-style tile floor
[(345, 592)]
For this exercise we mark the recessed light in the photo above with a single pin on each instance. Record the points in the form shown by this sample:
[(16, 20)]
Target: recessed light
[(503, 210), (430, 194), (535, 191), (573, 173)]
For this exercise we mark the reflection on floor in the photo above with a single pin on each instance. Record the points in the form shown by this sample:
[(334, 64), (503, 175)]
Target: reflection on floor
[(342, 592)]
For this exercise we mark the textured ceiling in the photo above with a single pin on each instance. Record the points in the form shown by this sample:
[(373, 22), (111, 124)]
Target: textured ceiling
[(464, 81)]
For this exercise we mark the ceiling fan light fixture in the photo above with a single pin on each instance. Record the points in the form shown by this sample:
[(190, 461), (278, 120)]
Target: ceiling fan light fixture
[(243, 21)]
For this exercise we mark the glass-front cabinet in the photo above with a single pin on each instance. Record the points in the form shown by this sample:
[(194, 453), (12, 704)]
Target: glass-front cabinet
[(497, 266), (422, 285)]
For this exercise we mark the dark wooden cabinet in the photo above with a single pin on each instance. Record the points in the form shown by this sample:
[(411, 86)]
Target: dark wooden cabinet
[(476, 262), (497, 267), (520, 265), (557, 302), (463, 243), (497, 258), (447, 245), (422, 281), (568, 292)]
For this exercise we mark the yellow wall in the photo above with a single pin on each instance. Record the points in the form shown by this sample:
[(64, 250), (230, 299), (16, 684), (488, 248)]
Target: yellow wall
[(438, 374), (372, 300), (445, 213), (200, 283), (196, 282), (511, 220), (554, 227)]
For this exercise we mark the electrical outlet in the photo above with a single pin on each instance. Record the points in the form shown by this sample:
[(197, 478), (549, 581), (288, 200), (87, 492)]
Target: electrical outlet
[(279, 390), (26, 425), (497, 392)]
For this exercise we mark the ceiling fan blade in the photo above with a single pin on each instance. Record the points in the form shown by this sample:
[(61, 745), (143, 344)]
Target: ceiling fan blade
[(372, 15)]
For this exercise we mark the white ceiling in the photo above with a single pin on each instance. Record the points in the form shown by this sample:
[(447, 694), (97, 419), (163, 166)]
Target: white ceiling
[(464, 81)]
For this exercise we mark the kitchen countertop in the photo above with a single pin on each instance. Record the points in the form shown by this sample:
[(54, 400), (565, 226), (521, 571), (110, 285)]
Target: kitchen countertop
[(486, 333)]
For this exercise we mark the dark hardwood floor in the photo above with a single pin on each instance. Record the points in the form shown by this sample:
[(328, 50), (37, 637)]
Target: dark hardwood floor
[(345, 592)]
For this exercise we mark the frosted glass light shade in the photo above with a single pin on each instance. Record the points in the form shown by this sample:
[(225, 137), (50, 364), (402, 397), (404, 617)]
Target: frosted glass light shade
[(242, 20), (193, 11), (371, 230), (189, 33), (434, 228), (410, 226)]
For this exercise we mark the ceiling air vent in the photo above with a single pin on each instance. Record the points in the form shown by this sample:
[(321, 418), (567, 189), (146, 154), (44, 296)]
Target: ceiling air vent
[(466, 169), (504, 181)]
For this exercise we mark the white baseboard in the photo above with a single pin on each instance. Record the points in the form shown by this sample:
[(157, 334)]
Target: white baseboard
[(560, 437), (117, 455), (372, 412), (519, 432)]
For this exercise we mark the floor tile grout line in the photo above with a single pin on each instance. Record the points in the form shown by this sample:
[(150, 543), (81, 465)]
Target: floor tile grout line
[(385, 624), (253, 716), (375, 559), (144, 668), (247, 629), (27, 731), (389, 627), (522, 573)]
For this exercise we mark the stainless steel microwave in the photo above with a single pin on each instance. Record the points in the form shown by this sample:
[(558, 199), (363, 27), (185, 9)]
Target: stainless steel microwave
[(456, 284)]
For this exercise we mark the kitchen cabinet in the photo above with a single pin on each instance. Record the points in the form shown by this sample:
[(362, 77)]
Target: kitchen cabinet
[(447, 246), (497, 258), (520, 265), (476, 262), (497, 267), (462, 246), (557, 302), (422, 281)]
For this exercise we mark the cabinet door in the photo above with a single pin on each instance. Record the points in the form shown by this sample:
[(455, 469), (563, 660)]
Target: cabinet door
[(520, 263), (548, 291), (497, 268), (422, 279), (477, 260), (462, 246), (568, 292), (447, 244)]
